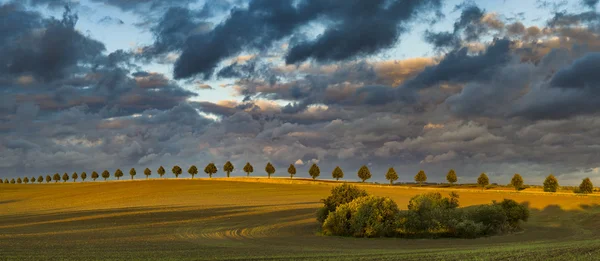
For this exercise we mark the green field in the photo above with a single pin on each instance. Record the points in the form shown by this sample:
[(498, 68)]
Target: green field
[(259, 219)]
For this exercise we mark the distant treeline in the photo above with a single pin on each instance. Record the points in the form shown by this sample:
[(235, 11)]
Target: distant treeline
[(550, 184)]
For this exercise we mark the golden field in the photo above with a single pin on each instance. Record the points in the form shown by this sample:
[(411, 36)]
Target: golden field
[(258, 219)]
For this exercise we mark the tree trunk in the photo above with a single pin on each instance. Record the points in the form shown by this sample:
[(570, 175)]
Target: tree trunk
[(337, 179), (228, 174), (391, 182)]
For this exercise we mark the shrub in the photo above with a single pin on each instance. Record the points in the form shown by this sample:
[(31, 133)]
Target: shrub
[(369, 216), (468, 229), (514, 212), (550, 184), (492, 217), (339, 195)]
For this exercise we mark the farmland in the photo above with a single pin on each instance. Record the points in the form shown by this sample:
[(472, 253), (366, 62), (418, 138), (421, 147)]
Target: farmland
[(256, 219)]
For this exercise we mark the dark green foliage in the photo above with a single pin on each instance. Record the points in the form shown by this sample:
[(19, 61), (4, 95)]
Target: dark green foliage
[(48, 178), (228, 168), (391, 175), (118, 174), (451, 177), (161, 171), (586, 186), (483, 180), (314, 171), (12, 181), (248, 169), (176, 171), (26, 180), (337, 173), (94, 175), (517, 181), (210, 169), (83, 176), (65, 177), (421, 177), (1, 181), (74, 176), (56, 177), (269, 169), (105, 174), (132, 173), (40, 179), (193, 170), (364, 173), (19, 181), (551, 184), (515, 212), (368, 216), (147, 172), (291, 170), (339, 195)]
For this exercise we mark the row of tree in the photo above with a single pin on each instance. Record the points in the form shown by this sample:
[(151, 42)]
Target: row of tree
[(550, 184)]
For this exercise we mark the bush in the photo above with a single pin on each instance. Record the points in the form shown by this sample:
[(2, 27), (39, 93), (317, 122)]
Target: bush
[(491, 216), (369, 216), (468, 229), (514, 212), (339, 195)]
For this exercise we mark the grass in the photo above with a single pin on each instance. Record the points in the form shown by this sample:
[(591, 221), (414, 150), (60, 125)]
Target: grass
[(261, 219)]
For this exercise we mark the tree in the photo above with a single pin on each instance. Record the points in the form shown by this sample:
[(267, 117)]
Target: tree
[(517, 181), (451, 177), (176, 171), (421, 177), (26, 180), (19, 181), (228, 167), (105, 174), (94, 175), (56, 177), (337, 173), (12, 181), (551, 184), (314, 171), (586, 186), (48, 178), (74, 176), (292, 170), (118, 174), (1, 181), (132, 173), (83, 176), (391, 175), (40, 179), (483, 180), (147, 172), (210, 169), (269, 169), (161, 171), (6, 181), (33, 179), (193, 170), (65, 177), (248, 169), (364, 173)]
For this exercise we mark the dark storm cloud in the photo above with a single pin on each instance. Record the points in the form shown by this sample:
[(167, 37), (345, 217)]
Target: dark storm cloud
[(140, 5), (590, 3), (582, 73), (469, 24)]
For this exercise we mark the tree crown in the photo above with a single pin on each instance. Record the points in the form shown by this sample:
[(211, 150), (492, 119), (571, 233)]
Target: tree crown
[(314, 171), (451, 177), (291, 169), (248, 168), (269, 168), (483, 180), (391, 175), (228, 167), (337, 173), (421, 176), (364, 173)]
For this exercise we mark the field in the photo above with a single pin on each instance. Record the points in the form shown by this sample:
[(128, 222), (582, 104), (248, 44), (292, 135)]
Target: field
[(259, 219)]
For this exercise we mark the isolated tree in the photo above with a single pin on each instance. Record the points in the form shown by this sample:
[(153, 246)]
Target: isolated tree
[(292, 170), (337, 173), (210, 169), (118, 174), (94, 175), (74, 176), (132, 173), (83, 176), (248, 169), (269, 169), (451, 177), (550, 184), (19, 181), (105, 174), (228, 168), (364, 173), (48, 178), (391, 175), (314, 171), (483, 180), (56, 177), (40, 179), (161, 171), (32, 179), (12, 181), (147, 172), (193, 170), (517, 181), (421, 177), (65, 177), (26, 180), (586, 186), (176, 171)]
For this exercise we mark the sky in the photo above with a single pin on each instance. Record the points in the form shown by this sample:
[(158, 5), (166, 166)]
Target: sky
[(500, 87)]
